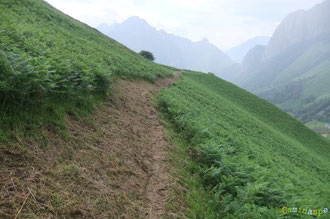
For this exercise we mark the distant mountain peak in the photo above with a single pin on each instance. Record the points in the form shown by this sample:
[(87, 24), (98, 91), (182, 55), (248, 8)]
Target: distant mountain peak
[(169, 49), (237, 53), (136, 20), (205, 40)]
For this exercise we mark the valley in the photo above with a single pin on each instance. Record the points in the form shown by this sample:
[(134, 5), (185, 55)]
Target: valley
[(292, 70)]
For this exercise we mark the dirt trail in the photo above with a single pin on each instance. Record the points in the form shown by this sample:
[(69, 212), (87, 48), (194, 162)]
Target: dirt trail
[(137, 131), (144, 121), (158, 188), (111, 166)]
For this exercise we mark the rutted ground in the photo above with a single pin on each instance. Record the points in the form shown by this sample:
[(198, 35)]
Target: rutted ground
[(112, 166)]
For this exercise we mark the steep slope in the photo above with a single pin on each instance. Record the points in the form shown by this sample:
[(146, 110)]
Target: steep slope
[(51, 64), (253, 158), (293, 70), (57, 159), (238, 53), (168, 49), (64, 153)]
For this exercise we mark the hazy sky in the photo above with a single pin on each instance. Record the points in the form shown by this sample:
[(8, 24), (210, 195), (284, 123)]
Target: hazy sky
[(226, 23)]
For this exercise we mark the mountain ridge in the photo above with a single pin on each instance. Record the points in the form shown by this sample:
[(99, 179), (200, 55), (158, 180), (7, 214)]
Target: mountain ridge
[(167, 48)]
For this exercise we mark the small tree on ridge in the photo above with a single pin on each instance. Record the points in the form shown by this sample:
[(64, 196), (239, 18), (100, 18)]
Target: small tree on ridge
[(147, 55)]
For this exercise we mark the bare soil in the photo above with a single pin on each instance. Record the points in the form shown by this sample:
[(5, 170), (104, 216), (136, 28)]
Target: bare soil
[(113, 165)]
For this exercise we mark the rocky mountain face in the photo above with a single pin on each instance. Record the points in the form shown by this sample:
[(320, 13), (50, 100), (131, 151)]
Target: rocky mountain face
[(298, 27), (293, 70), (168, 49)]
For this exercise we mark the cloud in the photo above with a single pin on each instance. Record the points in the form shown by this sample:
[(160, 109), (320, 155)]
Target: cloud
[(225, 23)]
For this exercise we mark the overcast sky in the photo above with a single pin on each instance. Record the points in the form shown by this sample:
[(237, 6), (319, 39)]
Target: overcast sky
[(225, 23)]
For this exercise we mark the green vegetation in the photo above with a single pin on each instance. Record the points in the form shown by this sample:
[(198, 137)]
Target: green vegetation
[(248, 158), (51, 65), (298, 81), (148, 55), (194, 203), (253, 158)]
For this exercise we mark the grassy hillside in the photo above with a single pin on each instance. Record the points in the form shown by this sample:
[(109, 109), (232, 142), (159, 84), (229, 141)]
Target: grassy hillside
[(51, 65), (301, 86), (253, 158), (57, 161)]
